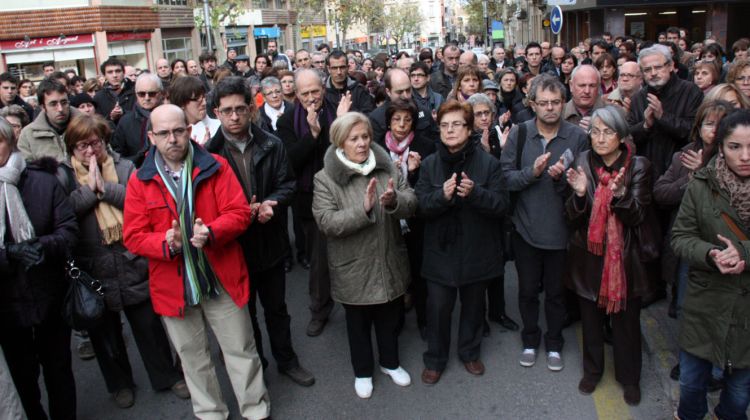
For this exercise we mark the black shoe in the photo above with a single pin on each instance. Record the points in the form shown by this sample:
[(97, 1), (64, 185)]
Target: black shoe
[(486, 329), (303, 262), (315, 327), (288, 265), (300, 375), (632, 394), (587, 385), (507, 323), (674, 374)]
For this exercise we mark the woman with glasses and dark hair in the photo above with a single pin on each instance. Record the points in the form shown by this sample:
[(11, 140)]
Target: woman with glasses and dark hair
[(608, 207), (462, 197), (711, 234), (95, 179)]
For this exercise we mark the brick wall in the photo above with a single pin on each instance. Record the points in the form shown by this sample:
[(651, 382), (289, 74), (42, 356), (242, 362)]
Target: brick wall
[(76, 20)]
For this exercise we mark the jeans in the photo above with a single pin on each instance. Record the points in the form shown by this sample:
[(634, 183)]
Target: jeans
[(694, 375)]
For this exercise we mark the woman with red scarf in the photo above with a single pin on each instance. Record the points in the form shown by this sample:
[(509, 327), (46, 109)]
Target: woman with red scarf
[(607, 211)]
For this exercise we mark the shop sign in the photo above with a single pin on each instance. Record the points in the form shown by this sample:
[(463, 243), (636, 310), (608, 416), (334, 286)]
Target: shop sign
[(128, 36), (266, 33), (318, 31), (47, 42)]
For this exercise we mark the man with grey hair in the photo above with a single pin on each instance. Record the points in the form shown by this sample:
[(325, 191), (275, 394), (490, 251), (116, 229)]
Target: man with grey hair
[(498, 61), (164, 71), (131, 136), (662, 113), (302, 59), (466, 59), (584, 90), (442, 81), (533, 161), (629, 82), (405, 62), (318, 60)]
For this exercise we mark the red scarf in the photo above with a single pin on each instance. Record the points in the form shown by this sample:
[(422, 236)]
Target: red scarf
[(394, 146), (605, 237)]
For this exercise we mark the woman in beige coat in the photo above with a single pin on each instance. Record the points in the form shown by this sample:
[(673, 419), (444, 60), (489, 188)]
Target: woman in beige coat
[(358, 202)]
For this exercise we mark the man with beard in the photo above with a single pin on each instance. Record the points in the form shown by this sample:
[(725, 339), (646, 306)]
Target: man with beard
[(131, 136), (663, 112), (190, 96), (534, 160), (272, 50), (116, 96), (442, 82), (44, 136), (208, 64), (339, 86), (259, 161)]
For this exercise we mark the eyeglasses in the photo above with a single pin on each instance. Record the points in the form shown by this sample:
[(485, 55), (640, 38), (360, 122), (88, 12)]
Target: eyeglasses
[(545, 104), (742, 79), (149, 93), (481, 114), (647, 70), (54, 104), (454, 125), (240, 111), (608, 134), (94, 144), (164, 134), (274, 92)]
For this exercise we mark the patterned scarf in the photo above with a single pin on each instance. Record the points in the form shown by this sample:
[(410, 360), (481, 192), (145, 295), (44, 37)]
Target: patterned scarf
[(737, 188), (108, 217), (200, 280), (605, 237), (11, 202)]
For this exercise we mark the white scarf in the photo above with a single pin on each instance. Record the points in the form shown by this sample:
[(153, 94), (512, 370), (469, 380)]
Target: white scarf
[(273, 113), (363, 168), (11, 203)]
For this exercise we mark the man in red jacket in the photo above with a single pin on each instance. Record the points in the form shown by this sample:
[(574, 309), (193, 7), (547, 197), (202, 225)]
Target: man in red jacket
[(184, 210)]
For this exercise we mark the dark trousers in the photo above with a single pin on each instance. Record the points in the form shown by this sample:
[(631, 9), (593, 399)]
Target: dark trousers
[(540, 270), (46, 345), (418, 287), (626, 340), (299, 234), (283, 215), (694, 376), (152, 343), (496, 297), (360, 319), (270, 286), (321, 303), (440, 302)]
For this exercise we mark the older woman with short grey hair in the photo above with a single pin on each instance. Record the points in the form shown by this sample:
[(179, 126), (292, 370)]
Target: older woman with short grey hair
[(359, 199), (16, 116), (607, 210), (274, 103)]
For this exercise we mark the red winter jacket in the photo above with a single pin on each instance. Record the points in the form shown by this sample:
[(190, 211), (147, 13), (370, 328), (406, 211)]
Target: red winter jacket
[(219, 201)]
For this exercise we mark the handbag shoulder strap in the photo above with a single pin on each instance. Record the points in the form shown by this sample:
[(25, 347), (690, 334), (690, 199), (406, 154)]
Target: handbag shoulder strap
[(733, 227)]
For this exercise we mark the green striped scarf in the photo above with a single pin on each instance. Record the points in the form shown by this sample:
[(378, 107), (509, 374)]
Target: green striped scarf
[(200, 280)]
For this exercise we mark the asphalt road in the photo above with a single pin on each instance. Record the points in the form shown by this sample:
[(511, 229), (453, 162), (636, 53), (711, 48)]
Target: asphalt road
[(506, 390)]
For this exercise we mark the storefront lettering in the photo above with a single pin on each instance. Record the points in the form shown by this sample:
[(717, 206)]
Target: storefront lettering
[(49, 42)]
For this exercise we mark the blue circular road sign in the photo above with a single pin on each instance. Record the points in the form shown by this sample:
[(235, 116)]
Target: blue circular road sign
[(556, 20)]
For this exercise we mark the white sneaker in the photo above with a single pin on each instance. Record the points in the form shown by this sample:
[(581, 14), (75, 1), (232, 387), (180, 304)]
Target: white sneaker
[(399, 375), (528, 357), (554, 361), (363, 387)]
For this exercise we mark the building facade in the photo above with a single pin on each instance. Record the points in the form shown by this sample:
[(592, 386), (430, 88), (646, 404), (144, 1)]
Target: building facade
[(81, 34)]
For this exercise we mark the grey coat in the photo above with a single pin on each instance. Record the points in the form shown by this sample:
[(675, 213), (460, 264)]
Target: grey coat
[(124, 275), (366, 252)]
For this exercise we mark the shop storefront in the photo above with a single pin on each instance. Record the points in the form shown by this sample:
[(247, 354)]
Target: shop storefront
[(130, 47), (24, 57), (236, 38), (312, 36)]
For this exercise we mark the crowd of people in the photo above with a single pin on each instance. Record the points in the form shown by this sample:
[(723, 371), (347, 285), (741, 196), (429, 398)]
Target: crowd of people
[(612, 174)]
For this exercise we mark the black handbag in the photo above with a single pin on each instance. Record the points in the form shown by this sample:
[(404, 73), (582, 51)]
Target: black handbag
[(84, 305), (509, 229)]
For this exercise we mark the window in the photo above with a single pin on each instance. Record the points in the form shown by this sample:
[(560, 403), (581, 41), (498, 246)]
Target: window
[(280, 4), (260, 4), (173, 2), (178, 48)]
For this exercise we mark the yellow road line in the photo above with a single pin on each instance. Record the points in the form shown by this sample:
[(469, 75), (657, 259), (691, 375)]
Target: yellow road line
[(608, 394)]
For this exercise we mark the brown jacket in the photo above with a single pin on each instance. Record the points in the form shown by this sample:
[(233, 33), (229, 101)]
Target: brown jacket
[(640, 232)]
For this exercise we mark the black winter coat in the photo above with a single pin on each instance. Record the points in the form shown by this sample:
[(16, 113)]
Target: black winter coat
[(463, 236), (26, 107), (305, 154), (27, 298), (264, 244), (106, 99), (518, 111), (680, 100), (130, 139), (361, 100)]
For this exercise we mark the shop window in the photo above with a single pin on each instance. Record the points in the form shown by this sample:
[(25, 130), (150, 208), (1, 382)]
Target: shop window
[(280, 4), (178, 48), (260, 4)]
